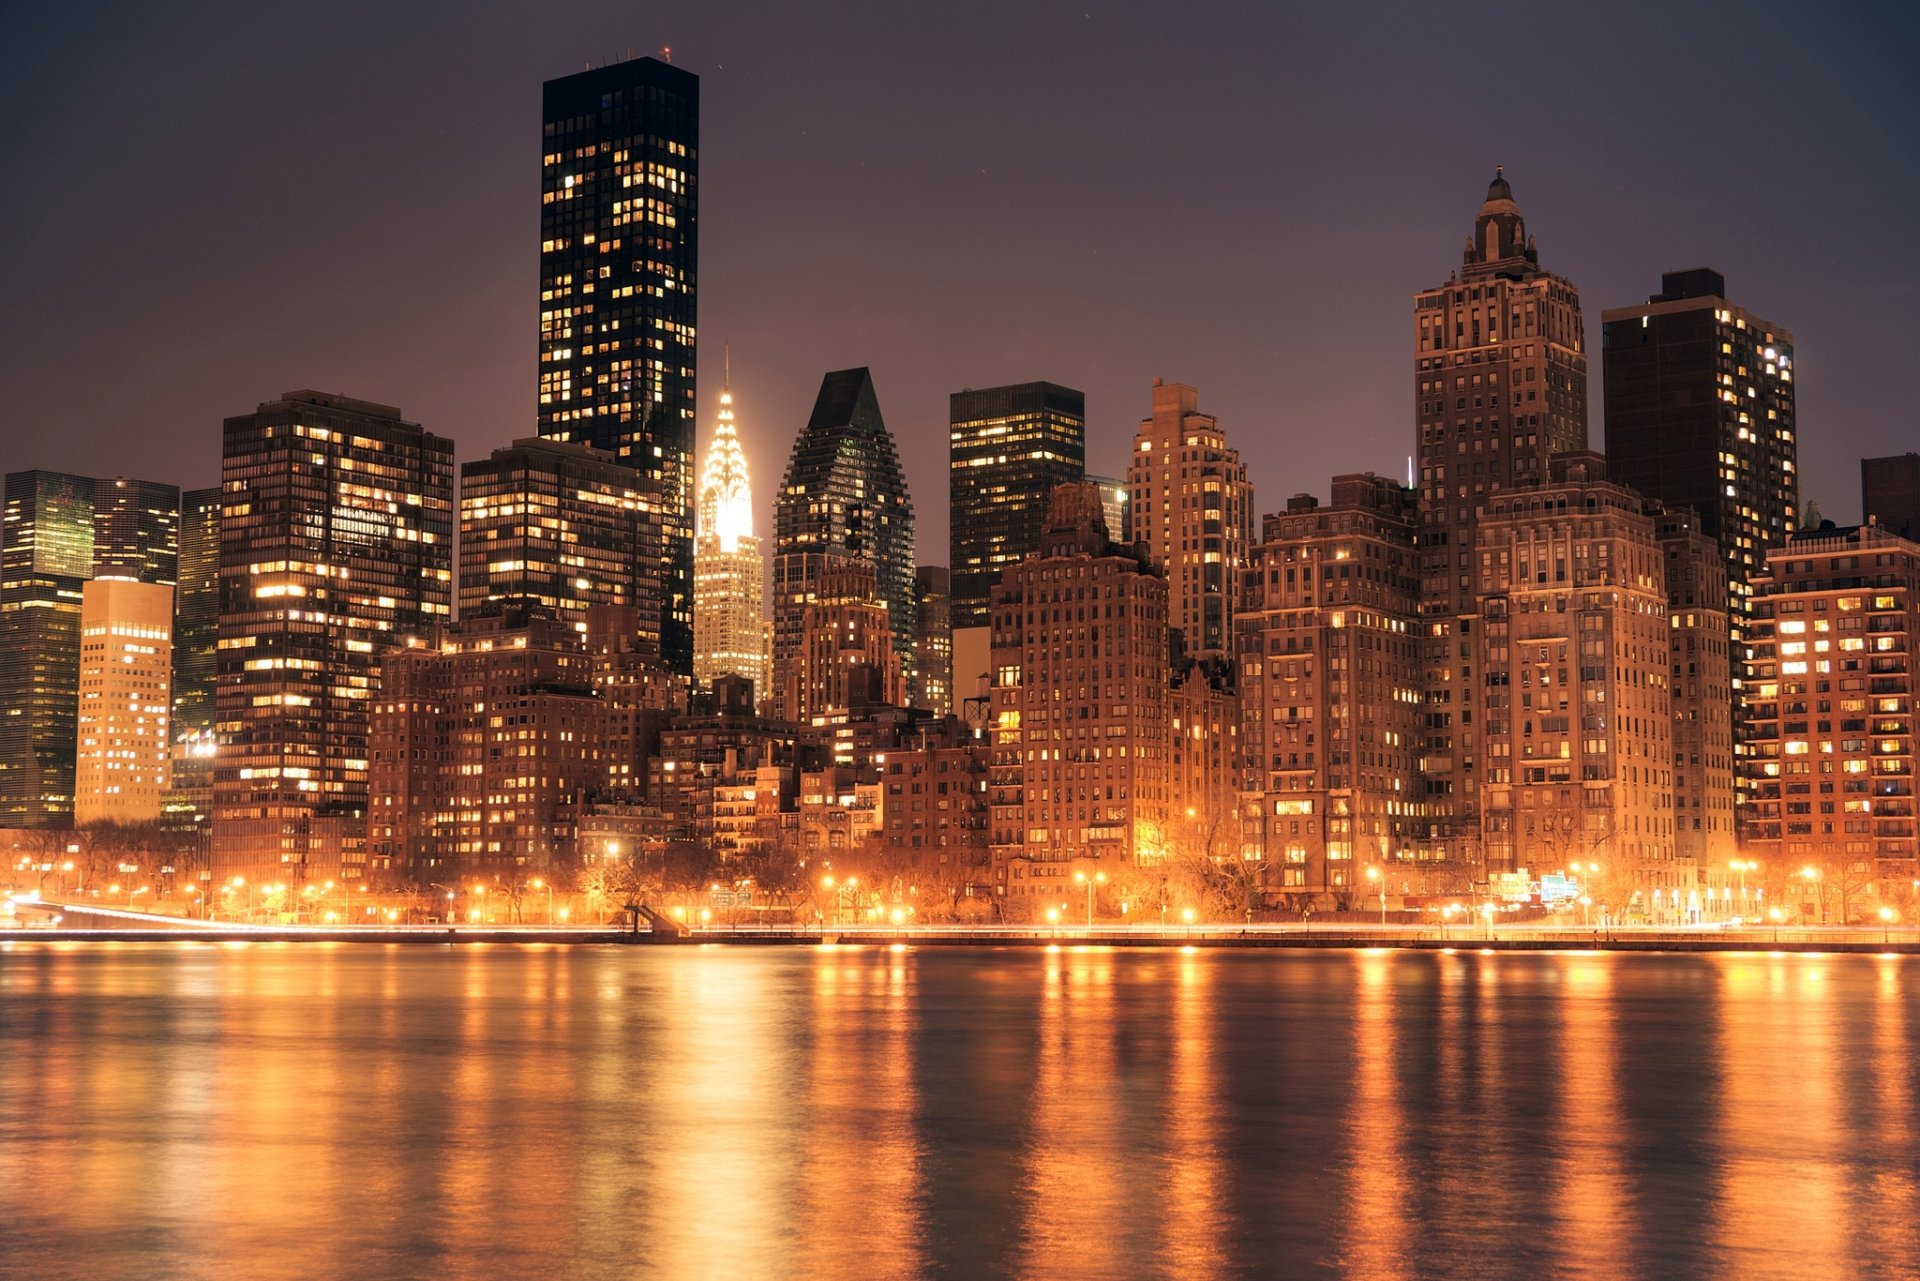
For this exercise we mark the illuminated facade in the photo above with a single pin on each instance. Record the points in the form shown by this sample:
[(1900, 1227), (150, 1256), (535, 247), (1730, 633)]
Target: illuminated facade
[(125, 747), (1573, 646), (845, 656), (1500, 377), (729, 567), (1829, 695), (484, 742), (1192, 507), (619, 183), (930, 683), (844, 495), (1704, 829), (1080, 705), (1330, 695), (335, 544), (564, 528), (59, 531), (196, 627), (1008, 447)]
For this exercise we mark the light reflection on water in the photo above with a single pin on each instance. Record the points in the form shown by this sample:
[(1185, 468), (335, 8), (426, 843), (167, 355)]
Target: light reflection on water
[(283, 1111)]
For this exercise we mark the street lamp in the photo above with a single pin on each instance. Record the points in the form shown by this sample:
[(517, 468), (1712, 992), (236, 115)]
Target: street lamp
[(1098, 878), (1811, 875), (1374, 874), (540, 884), (1887, 917)]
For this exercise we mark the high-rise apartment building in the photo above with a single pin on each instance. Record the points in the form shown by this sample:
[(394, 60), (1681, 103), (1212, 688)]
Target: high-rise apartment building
[(1080, 707), (1890, 494), (1829, 691), (619, 206), (1330, 696), (59, 531), (1500, 379), (1007, 448), (564, 528), (335, 544), (1192, 507), (1573, 650), (845, 656), (930, 683), (843, 495), (1113, 505), (1701, 652), (446, 800), (1699, 404), (125, 747), (729, 567)]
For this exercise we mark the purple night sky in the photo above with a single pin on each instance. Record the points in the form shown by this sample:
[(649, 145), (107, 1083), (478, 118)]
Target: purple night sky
[(209, 205)]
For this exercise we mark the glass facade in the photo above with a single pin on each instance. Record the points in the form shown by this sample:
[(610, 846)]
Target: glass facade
[(1008, 447)]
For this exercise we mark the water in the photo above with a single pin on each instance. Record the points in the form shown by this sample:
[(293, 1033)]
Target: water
[(297, 1111)]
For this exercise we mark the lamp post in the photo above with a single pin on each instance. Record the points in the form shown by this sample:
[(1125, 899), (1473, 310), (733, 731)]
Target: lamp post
[(1811, 875), (1098, 878), (1379, 879), (540, 883), (1887, 917)]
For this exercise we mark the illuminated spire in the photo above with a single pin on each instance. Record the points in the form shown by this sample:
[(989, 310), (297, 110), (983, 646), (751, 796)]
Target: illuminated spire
[(726, 501)]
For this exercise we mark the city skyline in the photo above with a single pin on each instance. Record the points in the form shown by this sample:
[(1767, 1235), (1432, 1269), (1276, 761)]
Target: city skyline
[(1306, 253)]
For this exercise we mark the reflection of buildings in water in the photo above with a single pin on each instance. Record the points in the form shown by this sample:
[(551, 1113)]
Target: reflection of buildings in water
[(1591, 1190), (1193, 1240), (1377, 1229)]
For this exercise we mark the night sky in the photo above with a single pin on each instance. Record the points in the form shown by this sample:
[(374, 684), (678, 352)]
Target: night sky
[(207, 206)]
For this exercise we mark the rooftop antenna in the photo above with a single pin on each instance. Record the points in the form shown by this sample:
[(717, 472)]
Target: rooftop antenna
[(666, 53), (1409, 471)]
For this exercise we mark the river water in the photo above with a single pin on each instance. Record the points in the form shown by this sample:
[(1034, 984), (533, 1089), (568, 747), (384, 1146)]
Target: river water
[(303, 1111)]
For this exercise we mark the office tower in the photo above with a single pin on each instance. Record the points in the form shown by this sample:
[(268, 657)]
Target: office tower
[(845, 657), (59, 531), (1080, 707), (1500, 373), (196, 608), (1699, 397), (1113, 505), (562, 527), (1572, 644), (619, 217), (1829, 689), (843, 495), (124, 744), (1701, 651), (335, 545), (1890, 494), (1193, 508), (930, 683), (446, 801), (729, 567), (1008, 447), (1330, 695)]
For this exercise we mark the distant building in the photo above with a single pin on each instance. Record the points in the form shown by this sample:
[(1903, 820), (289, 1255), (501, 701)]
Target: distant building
[(1700, 415), (729, 567), (1829, 687), (1080, 707), (930, 683), (335, 545), (1330, 692), (935, 807), (196, 629), (844, 495), (561, 528), (1008, 448), (125, 746), (1192, 508), (619, 221), (446, 800), (1704, 819), (1113, 505), (1890, 494), (59, 531), (1500, 375), (845, 655)]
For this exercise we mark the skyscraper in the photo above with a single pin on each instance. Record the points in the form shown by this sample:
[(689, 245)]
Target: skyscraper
[(335, 544), (59, 531), (563, 527), (1193, 508), (843, 495), (930, 683), (1008, 447), (196, 609), (845, 656), (729, 567), (124, 749), (1890, 494), (619, 186), (1699, 397), (1500, 376)]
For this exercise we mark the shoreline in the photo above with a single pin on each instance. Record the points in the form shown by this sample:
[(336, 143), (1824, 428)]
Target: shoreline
[(1290, 938)]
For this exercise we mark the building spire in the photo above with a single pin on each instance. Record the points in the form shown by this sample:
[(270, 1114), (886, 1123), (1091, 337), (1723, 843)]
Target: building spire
[(726, 498)]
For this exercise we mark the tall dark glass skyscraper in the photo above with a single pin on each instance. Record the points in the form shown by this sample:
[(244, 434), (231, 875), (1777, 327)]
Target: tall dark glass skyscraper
[(619, 183), (196, 618), (844, 495), (1008, 447), (58, 532)]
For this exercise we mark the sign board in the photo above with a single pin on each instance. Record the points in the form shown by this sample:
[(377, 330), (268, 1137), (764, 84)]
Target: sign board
[(1556, 887), (1512, 887)]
